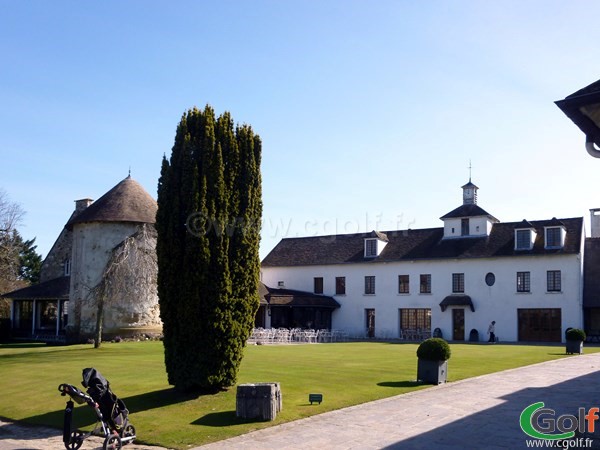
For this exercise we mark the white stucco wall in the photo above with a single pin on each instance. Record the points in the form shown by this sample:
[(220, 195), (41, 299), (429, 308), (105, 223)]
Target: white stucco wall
[(92, 246), (478, 226), (499, 302)]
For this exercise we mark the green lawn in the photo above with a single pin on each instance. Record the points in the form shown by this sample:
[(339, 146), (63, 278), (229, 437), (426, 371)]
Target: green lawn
[(345, 373)]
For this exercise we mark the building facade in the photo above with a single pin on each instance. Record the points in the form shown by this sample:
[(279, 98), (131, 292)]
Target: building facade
[(451, 281)]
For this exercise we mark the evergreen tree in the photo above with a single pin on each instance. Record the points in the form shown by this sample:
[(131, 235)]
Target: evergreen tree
[(30, 261), (208, 223)]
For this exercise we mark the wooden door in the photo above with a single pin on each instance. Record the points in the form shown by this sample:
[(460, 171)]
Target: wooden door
[(458, 324), (370, 317)]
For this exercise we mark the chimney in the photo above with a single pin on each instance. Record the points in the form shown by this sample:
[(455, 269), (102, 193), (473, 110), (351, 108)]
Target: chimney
[(595, 222), (82, 204)]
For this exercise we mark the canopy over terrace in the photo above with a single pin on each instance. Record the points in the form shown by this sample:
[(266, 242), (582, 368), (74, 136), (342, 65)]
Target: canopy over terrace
[(40, 311), (288, 308)]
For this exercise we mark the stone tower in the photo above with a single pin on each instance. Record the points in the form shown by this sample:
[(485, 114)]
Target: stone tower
[(101, 229)]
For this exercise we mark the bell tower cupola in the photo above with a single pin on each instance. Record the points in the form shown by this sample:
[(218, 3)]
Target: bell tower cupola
[(469, 193)]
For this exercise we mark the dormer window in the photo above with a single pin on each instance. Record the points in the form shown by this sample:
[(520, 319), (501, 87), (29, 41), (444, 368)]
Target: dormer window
[(370, 248), (554, 237), (374, 244), (523, 239), (524, 236)]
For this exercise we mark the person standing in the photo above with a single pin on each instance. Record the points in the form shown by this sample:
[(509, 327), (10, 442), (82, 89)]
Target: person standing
[(492, 331)]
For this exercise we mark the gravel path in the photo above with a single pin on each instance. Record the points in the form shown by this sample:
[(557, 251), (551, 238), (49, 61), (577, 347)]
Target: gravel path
[(14, 436)]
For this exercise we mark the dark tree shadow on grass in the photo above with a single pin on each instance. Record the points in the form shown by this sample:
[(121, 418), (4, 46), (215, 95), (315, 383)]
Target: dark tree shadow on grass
[(158, 399), (222, 419), (400, 384), (23, 345), (84, 416)]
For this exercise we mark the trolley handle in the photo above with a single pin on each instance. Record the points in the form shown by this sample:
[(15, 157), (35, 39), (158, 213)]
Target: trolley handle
[(75, 394)]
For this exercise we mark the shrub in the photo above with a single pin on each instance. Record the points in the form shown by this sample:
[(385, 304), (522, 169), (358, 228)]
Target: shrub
[(575, 334), (434, 349)]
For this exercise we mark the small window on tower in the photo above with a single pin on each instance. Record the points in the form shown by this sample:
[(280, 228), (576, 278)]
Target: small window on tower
[(67, 267)]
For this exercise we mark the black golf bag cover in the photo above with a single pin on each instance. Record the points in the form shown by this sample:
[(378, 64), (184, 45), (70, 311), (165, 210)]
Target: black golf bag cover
[(112, 408)]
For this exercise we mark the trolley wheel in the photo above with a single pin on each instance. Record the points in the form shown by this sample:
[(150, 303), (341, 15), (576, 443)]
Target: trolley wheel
[(127, 432), (75, 440), (112, 442)]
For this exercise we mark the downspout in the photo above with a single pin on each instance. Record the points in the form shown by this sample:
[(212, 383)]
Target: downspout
[(33, 317), (58, 316), (591, 148)]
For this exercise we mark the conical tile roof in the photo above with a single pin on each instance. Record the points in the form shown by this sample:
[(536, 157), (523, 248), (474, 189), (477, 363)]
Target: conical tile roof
[(128, 201)]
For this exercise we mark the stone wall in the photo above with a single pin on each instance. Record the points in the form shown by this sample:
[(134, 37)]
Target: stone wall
[(59, 255), (133, 309)]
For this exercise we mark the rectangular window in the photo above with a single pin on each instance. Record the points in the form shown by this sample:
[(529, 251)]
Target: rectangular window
[(370, 285), (340, 285), (458, 282), (370, 247), (553, 237), (403, 287), (425, 283), (553, 277), (67, 267), (318, 285), (523, 240), (415, 319), (464, 227), (523, 282)]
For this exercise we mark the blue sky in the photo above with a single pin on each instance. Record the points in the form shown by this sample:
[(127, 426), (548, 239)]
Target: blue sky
[(369, 112)]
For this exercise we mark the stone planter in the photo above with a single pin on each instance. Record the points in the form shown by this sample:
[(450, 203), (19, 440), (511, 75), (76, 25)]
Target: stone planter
[(258, 401), (432, 372), (574, 347)]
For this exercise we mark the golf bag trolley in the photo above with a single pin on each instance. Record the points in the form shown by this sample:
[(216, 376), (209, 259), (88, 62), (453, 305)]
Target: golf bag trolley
[(110, 411)]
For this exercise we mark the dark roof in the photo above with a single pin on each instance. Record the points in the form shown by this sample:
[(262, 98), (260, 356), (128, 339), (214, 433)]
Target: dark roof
[(291, 297), (457, 300), (591, 273), (524, 224), (555, 223), (128, 201), (57, 288), (377, 234), (469, 184), (591, 89), (468, 210), (408, 245)]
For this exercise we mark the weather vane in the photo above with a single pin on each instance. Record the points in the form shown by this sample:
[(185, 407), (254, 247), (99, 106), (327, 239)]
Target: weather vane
[(470, 167)]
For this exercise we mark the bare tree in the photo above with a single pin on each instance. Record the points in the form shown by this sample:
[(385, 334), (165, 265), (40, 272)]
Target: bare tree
[(130, 272), (11, 216)]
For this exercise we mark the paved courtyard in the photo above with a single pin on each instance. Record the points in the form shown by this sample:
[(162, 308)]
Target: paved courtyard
[(479, 413)]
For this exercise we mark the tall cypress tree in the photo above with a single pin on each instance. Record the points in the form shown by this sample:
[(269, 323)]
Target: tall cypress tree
[(208, 223)]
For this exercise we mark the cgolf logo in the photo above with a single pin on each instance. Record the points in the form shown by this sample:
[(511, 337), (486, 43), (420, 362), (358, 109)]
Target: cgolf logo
[(540, 423)]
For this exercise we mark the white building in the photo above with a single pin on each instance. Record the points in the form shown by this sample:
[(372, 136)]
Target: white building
[(526, 276)]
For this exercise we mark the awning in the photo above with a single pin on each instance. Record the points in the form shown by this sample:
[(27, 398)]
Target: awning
[(457, 300), (58, 288), (303, 301), (296, 299)]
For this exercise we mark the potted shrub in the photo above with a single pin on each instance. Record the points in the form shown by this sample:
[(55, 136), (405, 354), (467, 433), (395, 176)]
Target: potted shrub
[(433, 355), (575, 338)]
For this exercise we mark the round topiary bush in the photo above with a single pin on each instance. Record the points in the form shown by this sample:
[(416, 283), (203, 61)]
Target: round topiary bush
[(434, 349), (575, 334)]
